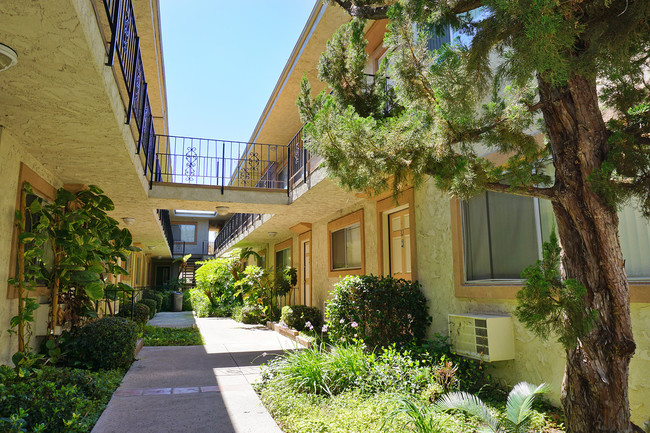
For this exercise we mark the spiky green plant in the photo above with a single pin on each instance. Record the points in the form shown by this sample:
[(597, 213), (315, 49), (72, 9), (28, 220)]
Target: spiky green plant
[(420, 417), (518, 414)]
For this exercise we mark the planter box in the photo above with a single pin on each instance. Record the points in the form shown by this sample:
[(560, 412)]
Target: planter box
[(289, 333)]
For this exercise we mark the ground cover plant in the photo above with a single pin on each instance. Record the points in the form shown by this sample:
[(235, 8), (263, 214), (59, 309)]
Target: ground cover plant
[(347, 388), (55, 400), (157, 336)]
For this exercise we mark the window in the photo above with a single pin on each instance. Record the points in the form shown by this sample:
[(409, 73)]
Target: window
[(184, 232), (346, 245), (503, 233), (283, 258)]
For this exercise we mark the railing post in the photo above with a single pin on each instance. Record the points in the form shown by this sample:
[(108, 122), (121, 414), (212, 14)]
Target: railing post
[(223, 167), (152, 172), (304, 163), (288, 169), (145, 95), (116, 19), (129, 109)]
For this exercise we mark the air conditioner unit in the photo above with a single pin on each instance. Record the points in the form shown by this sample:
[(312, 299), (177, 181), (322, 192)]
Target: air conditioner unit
[(482, 336)]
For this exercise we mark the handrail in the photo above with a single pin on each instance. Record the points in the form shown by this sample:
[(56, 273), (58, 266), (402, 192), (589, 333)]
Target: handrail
[(125, 45)]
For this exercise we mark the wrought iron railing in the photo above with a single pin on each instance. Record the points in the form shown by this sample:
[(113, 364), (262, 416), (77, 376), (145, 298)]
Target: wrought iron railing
[(163, 215), (182, 248), (125, 45), (221, 163), (114, 299), (235, 227)]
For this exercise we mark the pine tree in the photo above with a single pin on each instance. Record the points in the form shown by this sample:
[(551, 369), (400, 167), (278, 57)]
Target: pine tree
[(532, 65)]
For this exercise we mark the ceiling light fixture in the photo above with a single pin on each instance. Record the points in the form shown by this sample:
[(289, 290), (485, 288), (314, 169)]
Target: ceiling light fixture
[(223, 210), (8, 57), (128, 220), (272, 234)]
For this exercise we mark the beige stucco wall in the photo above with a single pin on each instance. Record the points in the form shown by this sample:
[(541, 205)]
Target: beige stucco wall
[(535, 360), (12, 154)]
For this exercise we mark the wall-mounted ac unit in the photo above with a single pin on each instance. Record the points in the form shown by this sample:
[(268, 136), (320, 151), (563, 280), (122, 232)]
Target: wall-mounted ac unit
[(482, 336)]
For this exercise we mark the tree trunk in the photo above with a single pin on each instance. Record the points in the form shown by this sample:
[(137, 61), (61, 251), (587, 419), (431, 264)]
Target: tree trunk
[(595, 386)]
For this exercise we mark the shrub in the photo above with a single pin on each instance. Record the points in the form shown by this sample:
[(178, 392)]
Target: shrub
[(106, 343), (379, 310), (252, 314), (59, 399), (187, 302), (152, 304), (167, 300), (296, 316), (152, 294), (200, 303), (140, 312)]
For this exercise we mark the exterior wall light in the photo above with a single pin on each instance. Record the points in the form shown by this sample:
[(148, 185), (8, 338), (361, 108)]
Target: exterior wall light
[(8, 57)]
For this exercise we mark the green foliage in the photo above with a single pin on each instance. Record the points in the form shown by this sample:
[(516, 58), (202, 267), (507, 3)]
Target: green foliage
[(252, 315), (379, 310), (420, 417), (86, 243), (140, 312), (156, 296), (549, 305), (107, 343), (301, 317), (519, 411), (187, 302), (200, 303), (151, 304), (156, 336), (56, 401), (215, 279), (346, 367)]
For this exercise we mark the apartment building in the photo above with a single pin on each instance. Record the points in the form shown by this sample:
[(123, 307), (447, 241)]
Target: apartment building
[(467, 256)]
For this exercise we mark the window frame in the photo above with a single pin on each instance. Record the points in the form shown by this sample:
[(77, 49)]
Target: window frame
[(339, 224), (503, 289), (284, 245), (44, 190), (186, 223)]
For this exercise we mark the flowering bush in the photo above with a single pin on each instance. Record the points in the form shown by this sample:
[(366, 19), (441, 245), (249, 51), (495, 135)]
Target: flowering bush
[(378, 310), (301, 317)]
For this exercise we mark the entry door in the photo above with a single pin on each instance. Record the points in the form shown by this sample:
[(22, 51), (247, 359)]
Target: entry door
[(400, 244), (305, 249), (162, 276)]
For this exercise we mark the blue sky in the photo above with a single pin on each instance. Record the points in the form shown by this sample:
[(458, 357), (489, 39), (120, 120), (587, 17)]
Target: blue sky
[(222, 60)]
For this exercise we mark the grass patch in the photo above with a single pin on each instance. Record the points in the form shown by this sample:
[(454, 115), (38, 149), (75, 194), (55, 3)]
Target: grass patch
[(156, 336)]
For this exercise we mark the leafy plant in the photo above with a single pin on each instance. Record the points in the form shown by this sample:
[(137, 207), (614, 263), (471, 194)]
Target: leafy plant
[(85, 243), (151, 304), (157, 336), (200, 303), (106, 343), (140, 313), (58, 400), (215, 279), (301, 317), (549, 305), (419, 417), (379, 310), (518, 408)]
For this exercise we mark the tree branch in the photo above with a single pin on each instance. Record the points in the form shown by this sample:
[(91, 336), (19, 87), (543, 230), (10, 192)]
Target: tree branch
[(365, 12), (379, 12), (526, 191)]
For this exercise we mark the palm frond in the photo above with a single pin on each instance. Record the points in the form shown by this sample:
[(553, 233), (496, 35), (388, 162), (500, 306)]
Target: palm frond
[(468, 403), (422, 417), (520, 402)]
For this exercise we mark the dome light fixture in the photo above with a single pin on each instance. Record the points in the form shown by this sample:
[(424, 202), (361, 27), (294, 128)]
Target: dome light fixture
[(8, 57)]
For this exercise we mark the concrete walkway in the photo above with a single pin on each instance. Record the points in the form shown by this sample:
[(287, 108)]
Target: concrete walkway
[(197, 388)]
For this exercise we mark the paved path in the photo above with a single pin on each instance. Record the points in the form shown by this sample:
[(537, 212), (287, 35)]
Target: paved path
[(197, 389)]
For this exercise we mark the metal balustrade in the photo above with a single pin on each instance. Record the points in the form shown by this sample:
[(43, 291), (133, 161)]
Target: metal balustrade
[(125, 45), (235, 227)]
